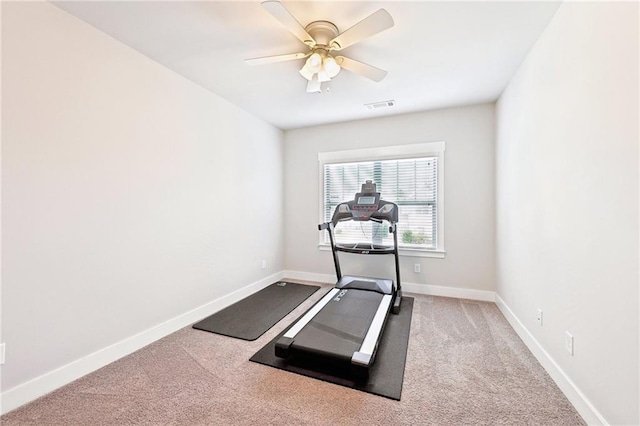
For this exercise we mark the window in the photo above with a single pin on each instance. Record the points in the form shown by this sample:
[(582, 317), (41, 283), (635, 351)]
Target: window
[(408, 175)]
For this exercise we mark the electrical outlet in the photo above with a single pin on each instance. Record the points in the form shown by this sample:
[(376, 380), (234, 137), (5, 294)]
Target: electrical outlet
[(568, 342), (416, 268), (3, 348), (539, 317), (264, 264)]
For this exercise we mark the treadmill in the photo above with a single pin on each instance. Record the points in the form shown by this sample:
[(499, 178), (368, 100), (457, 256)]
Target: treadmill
[(345, 326)]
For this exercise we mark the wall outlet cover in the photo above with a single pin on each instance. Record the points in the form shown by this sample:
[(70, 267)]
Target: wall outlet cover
[(568, 342)]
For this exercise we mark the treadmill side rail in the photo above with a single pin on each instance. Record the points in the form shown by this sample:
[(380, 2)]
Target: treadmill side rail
[(310, 314), (360, 358), (366, 353)]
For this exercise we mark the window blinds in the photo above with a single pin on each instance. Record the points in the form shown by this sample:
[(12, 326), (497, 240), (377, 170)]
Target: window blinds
[(410, 183)]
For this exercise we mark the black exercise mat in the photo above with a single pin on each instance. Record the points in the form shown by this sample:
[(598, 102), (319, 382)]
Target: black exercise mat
[(386, 374), (251, 317)]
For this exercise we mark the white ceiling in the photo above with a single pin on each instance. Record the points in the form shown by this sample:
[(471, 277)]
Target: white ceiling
[(438, 54)]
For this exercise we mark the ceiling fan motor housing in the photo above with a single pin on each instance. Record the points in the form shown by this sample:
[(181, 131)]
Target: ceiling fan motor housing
[(322, 32)]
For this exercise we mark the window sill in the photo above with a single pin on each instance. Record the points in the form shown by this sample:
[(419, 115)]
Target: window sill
[(436, 254)]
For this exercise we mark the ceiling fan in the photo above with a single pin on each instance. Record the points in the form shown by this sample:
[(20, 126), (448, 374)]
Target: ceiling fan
[(322, 39)]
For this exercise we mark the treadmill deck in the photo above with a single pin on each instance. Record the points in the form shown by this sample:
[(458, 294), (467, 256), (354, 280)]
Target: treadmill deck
[(339, 329)]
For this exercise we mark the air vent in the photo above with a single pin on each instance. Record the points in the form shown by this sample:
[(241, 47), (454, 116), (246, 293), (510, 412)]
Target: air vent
[(378, 105)]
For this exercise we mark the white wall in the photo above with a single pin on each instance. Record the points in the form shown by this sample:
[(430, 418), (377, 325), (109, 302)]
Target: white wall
[(127, 192), (469, 194), (567, 200)]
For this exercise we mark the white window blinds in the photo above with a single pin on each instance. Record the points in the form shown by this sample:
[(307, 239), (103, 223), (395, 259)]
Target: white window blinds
[(410, 183)]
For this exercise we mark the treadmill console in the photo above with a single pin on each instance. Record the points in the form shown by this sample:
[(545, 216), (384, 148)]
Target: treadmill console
[(366, 205)]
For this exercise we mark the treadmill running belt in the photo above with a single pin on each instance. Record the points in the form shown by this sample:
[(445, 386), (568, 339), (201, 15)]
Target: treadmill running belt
[(340, 327), (386, 374)]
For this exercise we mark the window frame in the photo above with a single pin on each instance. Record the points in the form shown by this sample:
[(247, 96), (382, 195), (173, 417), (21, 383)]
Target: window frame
[(426, 149)]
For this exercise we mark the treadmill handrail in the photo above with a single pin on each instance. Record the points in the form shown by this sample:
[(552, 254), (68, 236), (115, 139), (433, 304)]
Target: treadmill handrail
[(365, 248)]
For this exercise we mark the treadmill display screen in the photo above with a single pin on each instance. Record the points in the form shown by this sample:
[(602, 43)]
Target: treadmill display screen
[(366, 200)]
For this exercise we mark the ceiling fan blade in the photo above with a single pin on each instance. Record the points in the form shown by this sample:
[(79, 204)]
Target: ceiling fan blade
[(277, 58), (371, 25), (282, 14), (365, 70)]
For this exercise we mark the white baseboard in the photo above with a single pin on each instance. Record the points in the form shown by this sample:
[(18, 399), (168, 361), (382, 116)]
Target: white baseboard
[(39, 386), (310, 276), (570, 390), (432, 290), (455, 292)]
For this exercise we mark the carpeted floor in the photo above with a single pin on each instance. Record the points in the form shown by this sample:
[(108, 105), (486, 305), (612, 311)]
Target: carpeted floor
[(465, 365)]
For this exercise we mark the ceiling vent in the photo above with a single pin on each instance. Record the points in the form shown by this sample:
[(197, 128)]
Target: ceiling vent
[(378, 105)]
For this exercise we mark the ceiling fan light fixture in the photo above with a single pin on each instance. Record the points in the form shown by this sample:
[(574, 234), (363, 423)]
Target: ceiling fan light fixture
[(314, 86), (314, 63), (331, 66), (306, 72), (323, 76)]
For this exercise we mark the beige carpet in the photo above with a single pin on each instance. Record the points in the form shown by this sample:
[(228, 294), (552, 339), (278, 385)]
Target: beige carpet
[(465, 365)]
